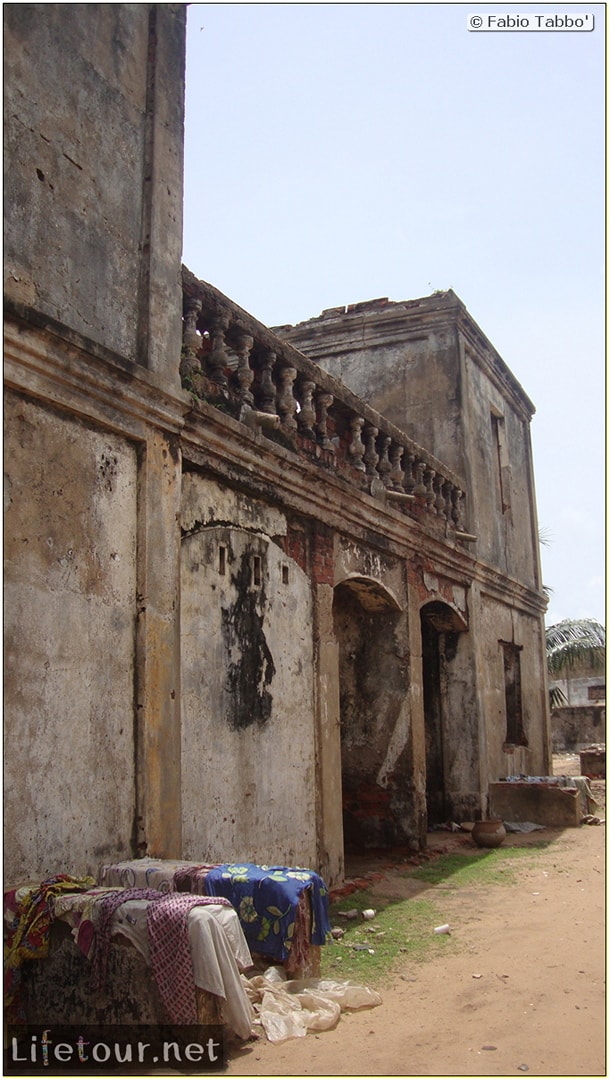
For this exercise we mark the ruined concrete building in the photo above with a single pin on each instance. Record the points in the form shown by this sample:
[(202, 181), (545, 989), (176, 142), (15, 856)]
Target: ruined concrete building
[(270, 595)]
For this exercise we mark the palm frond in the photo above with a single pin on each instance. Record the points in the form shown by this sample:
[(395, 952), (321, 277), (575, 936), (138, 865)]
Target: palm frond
[(576, 642), (557, 697)]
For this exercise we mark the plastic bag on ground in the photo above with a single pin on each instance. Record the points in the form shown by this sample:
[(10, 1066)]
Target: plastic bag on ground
[(288, 1009), (347, 994)]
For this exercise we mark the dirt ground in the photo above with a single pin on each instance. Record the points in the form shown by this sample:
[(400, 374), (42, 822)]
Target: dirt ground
[(524, 992)]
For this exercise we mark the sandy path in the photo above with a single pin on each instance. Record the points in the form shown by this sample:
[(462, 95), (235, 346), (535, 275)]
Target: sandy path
[(538, 946)]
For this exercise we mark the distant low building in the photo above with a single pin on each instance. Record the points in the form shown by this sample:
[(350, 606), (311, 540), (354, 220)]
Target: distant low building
[(580, 719)]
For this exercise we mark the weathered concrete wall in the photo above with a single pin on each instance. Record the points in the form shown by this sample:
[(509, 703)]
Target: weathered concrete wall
[(497, 622), (58, 989), (461, 726), (70, 585), (541, 803), (247, 685), (93, 185), (500, 476), (576, 726), (94, 103)]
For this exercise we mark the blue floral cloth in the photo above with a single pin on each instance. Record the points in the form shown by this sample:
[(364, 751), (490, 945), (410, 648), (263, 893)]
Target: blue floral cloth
[(266, 900)]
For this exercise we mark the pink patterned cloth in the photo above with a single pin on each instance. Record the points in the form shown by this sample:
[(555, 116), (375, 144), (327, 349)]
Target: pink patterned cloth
[(108, 906), (192, 878), (170, 952)]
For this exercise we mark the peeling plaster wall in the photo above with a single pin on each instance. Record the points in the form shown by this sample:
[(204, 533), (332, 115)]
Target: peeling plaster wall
[(500, 623), (94, 109), (461, 748), (248, 747), (69, 643), (500, 477)]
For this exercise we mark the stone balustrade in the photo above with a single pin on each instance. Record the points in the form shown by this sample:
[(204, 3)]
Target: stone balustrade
[(237, 364)]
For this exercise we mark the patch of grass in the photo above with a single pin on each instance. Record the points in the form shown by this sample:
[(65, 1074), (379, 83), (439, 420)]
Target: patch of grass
[(401, 932), (481, 867)]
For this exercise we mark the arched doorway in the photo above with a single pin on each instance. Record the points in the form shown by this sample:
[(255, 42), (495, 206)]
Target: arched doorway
[(372, 681), (451, 750)]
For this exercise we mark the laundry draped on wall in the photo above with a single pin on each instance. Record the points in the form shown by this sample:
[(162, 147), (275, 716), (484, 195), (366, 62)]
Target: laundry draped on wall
[(28, 918), (266, 899)]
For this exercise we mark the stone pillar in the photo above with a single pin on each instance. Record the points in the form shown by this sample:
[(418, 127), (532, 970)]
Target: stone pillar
[(159, 287), (158, 740), (416, 695), (329, 807), (328, 739)]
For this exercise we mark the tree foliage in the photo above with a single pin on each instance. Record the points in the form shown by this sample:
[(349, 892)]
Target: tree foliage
[(574, 643)]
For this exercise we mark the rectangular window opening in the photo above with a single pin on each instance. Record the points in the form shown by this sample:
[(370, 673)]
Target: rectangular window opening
[(515, 732), (285, 574), (596, 693), (502, 468), (222, 560), (256, 570)]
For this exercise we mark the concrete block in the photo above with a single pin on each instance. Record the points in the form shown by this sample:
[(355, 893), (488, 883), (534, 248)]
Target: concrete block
[(542, 803)]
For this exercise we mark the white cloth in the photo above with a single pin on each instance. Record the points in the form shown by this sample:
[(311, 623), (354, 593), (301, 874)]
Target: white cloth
[(145, 873), (219, 950), (218, 946)]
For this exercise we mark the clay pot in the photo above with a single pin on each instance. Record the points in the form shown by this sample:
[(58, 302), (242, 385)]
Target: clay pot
[(489, 834)]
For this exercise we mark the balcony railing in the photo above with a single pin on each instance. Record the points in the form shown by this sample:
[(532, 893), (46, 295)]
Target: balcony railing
[(238, 365)]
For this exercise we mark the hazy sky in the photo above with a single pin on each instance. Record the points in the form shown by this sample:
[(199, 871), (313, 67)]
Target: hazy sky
[(341, 152)]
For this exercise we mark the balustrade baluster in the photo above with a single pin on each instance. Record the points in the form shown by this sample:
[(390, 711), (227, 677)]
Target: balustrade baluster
[(307, 416), (409, 480), (286, 402), (384, 468), (324, 402), (218, 358), (190, 364), (244, 373), (447, 492), (371, 457), (456, 514), (420, 487), (429, 475), (439, 502), (356, 447), (267, 386), (396, 476)]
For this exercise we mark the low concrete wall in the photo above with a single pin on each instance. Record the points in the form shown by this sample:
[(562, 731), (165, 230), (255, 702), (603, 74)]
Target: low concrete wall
[(593, 763), (58, 989), (544, 804)]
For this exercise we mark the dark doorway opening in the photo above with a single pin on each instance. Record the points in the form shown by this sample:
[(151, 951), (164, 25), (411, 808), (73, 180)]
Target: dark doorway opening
[(372, 686), (440, 630)]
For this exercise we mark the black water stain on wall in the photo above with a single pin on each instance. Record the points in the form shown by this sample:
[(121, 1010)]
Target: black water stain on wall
[(250, 674)]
